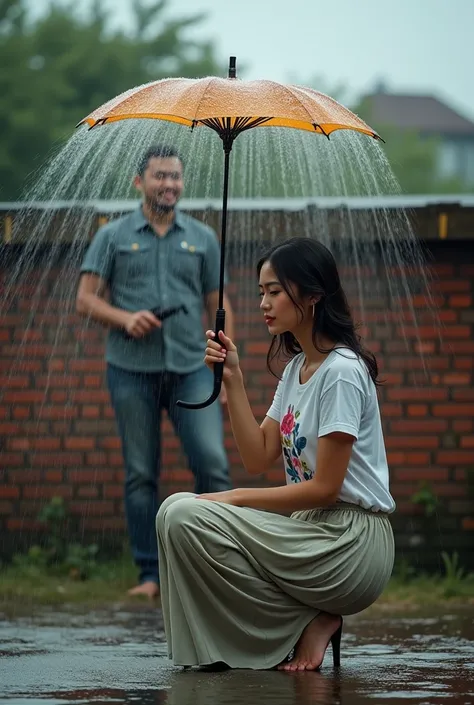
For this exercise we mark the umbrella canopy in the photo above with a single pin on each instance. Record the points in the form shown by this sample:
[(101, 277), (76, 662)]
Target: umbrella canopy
[(228, 106), (233, 105)]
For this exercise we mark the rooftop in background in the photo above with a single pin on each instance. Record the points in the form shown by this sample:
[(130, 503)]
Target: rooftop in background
[(425, 114), (261, 204)]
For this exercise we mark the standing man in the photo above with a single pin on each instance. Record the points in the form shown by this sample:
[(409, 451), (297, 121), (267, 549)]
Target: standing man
[(157, 258)]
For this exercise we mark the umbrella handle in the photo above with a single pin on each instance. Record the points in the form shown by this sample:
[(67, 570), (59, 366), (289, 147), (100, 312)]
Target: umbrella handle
[(218, 370)]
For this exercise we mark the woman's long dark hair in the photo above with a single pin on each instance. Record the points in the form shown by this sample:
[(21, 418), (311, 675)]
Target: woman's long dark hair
[(310, 267)]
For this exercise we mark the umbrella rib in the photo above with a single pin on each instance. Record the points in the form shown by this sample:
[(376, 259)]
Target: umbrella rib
[(295, 95), (211, 80)]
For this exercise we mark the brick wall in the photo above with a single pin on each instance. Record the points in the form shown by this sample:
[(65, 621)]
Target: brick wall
[(57, 431)]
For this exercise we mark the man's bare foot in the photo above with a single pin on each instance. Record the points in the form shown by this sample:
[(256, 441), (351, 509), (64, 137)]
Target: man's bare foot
[(311, 647), (148, 589)]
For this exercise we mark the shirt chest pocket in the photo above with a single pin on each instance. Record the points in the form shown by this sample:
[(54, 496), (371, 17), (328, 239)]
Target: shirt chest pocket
[(187, 265), (134, 262)]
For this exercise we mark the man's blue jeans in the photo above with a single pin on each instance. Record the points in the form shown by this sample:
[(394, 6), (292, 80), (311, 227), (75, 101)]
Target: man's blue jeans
[(138, 399)]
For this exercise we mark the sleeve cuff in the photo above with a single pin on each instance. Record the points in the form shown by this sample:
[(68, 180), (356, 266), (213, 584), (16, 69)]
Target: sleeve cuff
[(341, 427)]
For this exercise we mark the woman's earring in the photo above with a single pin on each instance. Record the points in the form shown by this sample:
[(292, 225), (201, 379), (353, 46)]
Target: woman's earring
[(314, 308)]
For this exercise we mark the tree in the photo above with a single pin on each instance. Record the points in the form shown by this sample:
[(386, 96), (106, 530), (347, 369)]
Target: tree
[(55, 70)]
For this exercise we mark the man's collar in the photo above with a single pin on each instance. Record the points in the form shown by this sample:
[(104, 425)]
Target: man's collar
[(140, 222)]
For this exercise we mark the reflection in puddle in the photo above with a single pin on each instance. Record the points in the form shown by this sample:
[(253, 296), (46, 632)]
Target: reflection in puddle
[(112, 656)]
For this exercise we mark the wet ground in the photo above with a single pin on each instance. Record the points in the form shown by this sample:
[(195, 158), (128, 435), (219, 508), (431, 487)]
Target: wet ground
[(118, 656)]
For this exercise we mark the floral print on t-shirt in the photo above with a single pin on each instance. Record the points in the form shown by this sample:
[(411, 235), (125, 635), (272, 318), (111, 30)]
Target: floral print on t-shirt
[(293, 444)]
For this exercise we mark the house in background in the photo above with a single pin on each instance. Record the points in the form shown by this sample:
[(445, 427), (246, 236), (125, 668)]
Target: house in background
[(430, 117)]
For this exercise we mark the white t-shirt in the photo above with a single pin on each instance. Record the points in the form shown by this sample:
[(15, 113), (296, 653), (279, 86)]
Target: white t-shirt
[(339, 396)]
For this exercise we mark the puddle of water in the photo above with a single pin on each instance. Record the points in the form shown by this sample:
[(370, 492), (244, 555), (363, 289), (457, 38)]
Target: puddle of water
[(115, 656)]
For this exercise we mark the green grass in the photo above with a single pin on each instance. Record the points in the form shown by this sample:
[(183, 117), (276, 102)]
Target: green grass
[(30, 585)]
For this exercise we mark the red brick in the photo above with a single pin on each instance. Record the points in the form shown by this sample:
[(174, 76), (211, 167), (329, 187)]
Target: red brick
[(30, 351), (96, 458), (411, 362), (61, 428), (12, 460), (25, 397), (34, 428), (90, 396), (395, 458), (463, 394), (53, 476), (460, 301), (21, 412), (110, 443), (88, 492), (404, 489), (458, 410), (467, 270), (423, 393), (93, 476), (462, 426), (455, 457), (8, 428), (4, 412), (25, 476), (468, 523), (418, 332), (456, 378), (452, 286), (450, 489), (56, 365), (429, 426), (89, 365), (425, 347), (447, 316), (8, 492), (14, 382), (106, 524), (55, 381), (47, 491), (113, 491), (464, 363), (459, 347), (25, 525), (77, 443), (46, 443), (426, 474), (90, 412), (408, 442), (59, 397), (391, 410), (96, 508), (30, 335), (6, 508), (257, 348), (54, 459), (59, 412), (92, 381), (18, 444)]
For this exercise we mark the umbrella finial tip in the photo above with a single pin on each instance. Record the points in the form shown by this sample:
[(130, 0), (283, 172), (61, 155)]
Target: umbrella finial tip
[(232, 67)]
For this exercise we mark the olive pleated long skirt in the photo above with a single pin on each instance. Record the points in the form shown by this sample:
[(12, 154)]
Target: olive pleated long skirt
[(239, 585)]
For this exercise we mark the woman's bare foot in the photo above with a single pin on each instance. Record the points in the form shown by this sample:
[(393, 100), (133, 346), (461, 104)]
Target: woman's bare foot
[(311, 647), (148, 589)]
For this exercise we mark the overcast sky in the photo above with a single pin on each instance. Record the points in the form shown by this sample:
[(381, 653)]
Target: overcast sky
[(423, 46)]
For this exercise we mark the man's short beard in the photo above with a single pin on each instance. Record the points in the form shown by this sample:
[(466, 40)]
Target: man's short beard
[(160, 208)]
